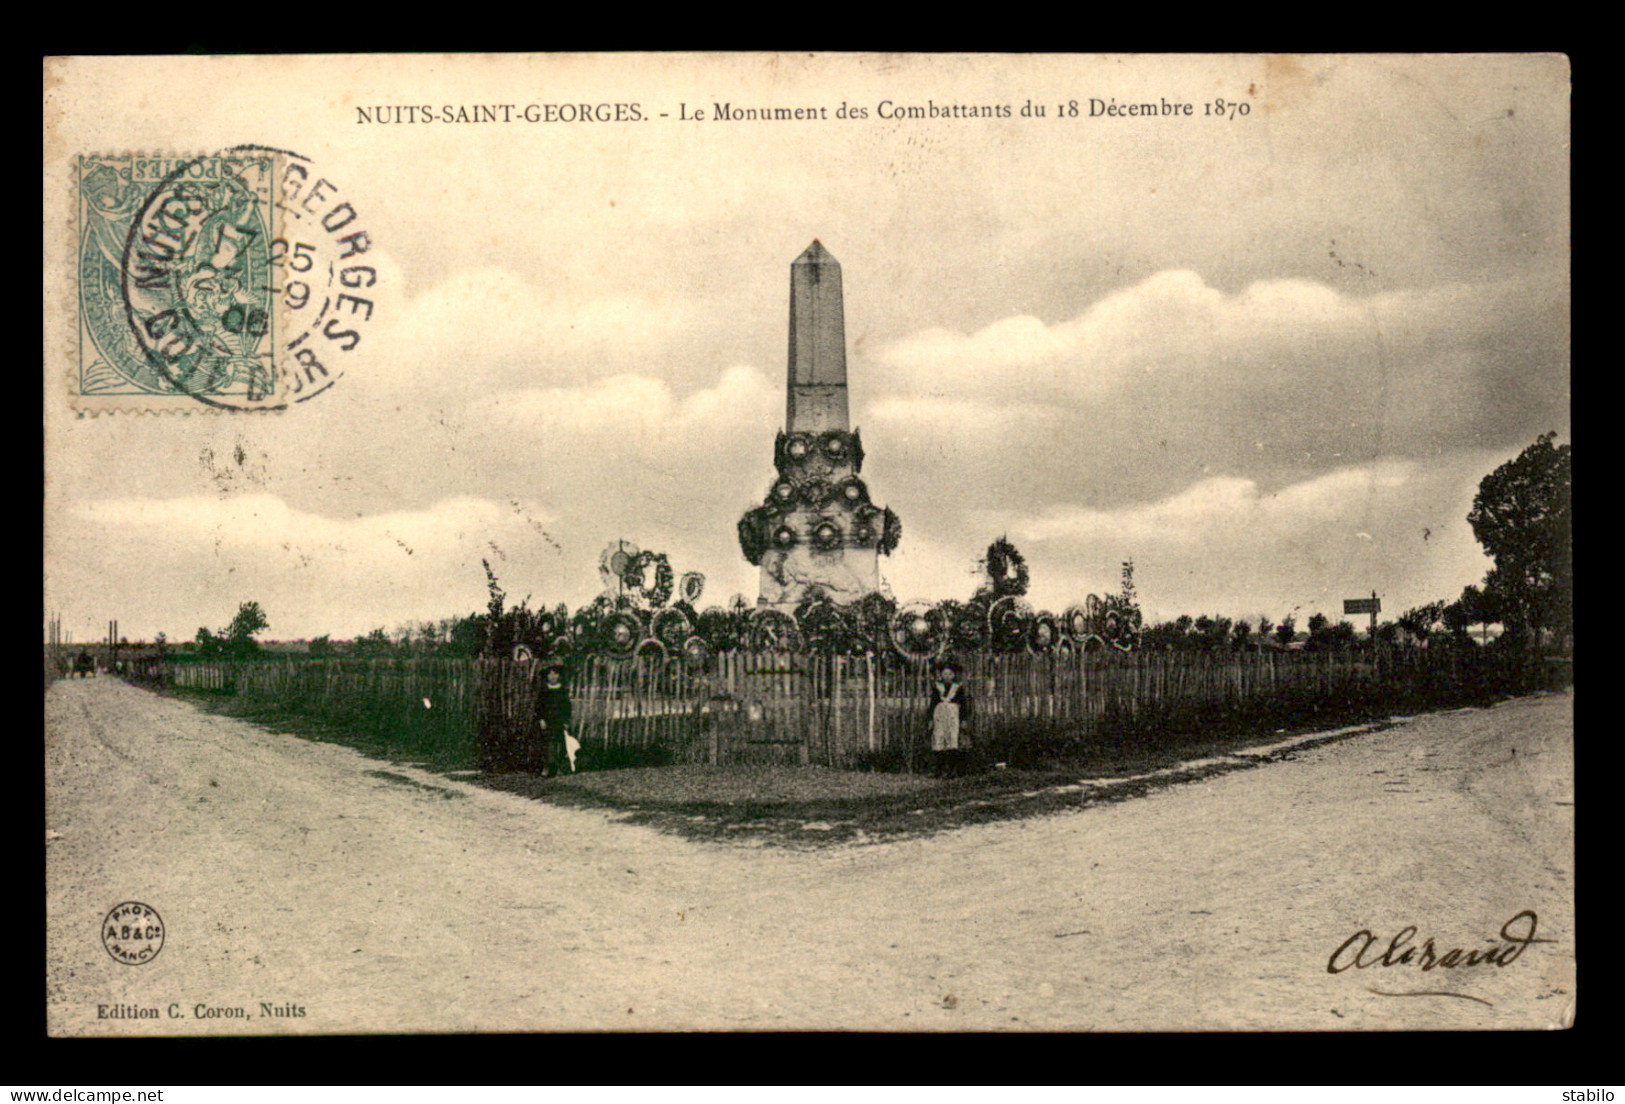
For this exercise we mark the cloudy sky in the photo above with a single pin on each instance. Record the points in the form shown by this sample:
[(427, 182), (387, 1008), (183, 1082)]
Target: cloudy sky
[(1268, 357)]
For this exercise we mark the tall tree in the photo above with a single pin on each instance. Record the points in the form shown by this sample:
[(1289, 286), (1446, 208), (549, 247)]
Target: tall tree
[(499, 640), (1213, 633), (249, 623), (1420, 622), (238, 636), (468, 634), (1456, 618), (1523, 516), (1286, 631), (376, 643), (1481, 608), (1126, 604)]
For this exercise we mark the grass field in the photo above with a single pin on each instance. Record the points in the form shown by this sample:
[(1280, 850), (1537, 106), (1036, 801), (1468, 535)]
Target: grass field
[(804, 807), (368, 740)]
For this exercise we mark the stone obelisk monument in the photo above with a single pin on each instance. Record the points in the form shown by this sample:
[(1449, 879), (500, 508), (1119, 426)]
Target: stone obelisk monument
[(816, 391), (817, 533)]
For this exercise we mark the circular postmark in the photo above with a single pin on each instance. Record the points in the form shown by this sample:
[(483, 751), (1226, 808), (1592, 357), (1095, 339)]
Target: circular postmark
[(244, 280), (133, 933)]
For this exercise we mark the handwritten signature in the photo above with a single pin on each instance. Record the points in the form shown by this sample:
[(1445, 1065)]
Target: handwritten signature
[(1517, 934)]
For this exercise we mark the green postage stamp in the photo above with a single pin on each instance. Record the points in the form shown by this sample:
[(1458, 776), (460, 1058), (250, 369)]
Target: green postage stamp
[(192, 295), (174, 278)]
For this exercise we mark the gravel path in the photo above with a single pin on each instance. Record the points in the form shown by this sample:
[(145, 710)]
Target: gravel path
[(378, 898)]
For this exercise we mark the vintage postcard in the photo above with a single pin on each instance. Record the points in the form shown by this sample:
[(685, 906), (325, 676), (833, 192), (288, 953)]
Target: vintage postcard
[(782, 542)]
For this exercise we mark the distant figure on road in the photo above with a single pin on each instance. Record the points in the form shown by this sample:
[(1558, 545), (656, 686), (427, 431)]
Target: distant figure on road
[(84, 665), (950, 722), (548, 752)]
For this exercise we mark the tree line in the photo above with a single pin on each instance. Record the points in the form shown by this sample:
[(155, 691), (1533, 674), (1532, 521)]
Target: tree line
[(1522, 515)]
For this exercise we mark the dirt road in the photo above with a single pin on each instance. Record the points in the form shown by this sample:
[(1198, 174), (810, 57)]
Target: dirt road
[(356, 896)]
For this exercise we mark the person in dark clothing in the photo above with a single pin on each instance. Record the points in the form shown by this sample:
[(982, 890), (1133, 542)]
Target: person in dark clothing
[(550, 727), (949, 717)]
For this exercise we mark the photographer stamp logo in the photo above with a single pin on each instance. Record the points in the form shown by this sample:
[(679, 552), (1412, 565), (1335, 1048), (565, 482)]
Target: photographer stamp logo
[(133, 933)]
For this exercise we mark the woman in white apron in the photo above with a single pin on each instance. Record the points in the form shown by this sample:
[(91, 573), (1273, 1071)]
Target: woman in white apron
[(950, 721)]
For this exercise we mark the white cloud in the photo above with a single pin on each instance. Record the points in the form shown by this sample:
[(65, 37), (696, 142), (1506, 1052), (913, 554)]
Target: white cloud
[(1171, 380), (1174, 324), (1226, 545), (642, 404), (265, 521), (1191, 516), (201, 555), (490, 326)]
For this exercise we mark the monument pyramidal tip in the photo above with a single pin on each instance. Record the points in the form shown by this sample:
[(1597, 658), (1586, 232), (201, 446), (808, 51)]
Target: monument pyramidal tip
[(817, 533)]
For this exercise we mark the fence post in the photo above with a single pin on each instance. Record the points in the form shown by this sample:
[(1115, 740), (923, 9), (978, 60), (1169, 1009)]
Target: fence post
[(836, 662), (908, 732), (716, 735), (807, 703), (604, 674), (869, 671)]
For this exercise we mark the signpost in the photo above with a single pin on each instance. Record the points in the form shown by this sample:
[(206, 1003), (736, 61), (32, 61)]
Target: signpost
[(1371, 605)]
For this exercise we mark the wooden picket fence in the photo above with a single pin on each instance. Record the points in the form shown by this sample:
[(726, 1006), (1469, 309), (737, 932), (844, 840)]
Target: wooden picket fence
[(837, 711), (846, 711), (198, 676)]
